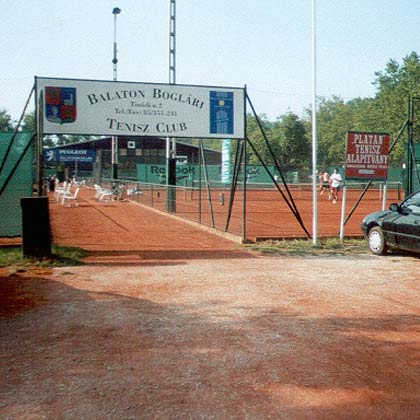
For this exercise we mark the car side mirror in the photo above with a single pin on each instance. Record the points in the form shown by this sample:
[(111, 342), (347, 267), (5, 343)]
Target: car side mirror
[(394, 207)]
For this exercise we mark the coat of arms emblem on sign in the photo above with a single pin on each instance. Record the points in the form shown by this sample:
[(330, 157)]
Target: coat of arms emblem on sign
[(60, 104)]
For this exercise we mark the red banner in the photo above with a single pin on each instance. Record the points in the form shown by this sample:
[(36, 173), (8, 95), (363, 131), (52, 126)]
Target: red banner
[(367, 155)]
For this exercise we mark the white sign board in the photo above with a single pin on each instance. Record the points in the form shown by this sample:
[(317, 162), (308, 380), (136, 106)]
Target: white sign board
[(93, 107)]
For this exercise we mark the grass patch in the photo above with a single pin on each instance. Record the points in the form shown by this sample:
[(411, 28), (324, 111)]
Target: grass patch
[(62, 256), (302, 247)]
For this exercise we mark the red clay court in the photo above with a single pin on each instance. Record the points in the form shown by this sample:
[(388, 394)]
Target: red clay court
[(126, 225)]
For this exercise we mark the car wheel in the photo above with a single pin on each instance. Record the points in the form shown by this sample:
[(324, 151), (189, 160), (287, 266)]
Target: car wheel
[(376, 241)]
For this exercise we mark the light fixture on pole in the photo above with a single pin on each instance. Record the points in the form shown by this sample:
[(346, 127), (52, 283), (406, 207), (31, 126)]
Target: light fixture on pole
[(114, 141)]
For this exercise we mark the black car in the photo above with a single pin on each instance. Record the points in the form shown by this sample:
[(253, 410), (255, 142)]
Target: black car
[(398, 227)]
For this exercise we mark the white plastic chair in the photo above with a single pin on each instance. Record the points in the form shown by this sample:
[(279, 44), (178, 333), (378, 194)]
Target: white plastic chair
[(63, 191), (103, 194), (69, 197), (97, 191), (59, 190)]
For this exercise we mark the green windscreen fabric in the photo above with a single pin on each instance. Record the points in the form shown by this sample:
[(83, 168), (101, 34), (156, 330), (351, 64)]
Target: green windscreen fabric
[(20, 184), (189, 175)]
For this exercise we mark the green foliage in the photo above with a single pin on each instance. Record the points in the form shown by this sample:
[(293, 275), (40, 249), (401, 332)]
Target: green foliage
[(394, 86), (304, 247), (334, 119), (10, 256), (256, 137), (28, 123), (6, 123), (61, 257), (293, 149)]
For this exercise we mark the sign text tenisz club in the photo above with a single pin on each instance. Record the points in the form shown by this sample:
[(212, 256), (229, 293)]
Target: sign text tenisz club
[(90, 107)]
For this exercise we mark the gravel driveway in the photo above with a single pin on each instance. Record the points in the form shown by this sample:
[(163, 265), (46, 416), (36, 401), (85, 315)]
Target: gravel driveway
[(233, 337)]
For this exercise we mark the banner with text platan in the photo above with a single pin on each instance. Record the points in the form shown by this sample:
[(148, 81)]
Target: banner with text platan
[(92, 107), (367, 155)]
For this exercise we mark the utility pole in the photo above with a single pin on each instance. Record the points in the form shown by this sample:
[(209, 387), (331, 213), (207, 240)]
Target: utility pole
[(314, 133), (114, 141), (172, 42), (171, 146)]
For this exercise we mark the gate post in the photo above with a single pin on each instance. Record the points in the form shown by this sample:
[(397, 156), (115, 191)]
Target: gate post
[(36, 236)]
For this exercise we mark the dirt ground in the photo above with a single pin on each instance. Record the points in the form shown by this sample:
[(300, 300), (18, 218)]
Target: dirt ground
[(166, 321)]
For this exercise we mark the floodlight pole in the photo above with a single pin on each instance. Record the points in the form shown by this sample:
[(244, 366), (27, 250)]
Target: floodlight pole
[(172, 42), (114, 141), (171, 149), (172, 55), (314, 137)]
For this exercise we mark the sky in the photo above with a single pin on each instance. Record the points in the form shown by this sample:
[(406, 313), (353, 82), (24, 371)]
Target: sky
[(265, 45)]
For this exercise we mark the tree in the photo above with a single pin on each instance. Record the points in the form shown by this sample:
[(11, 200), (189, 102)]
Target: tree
[(395, 85), (28, 123), (256, 137), (6, 123), (365, 114), (335, 118), (333, 121), (290, 142)]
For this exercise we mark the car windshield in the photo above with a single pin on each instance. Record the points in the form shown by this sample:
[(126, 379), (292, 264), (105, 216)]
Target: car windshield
[(413, 202)]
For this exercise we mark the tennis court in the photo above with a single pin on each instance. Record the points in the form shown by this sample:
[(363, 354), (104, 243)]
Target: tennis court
[(266, 213)]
